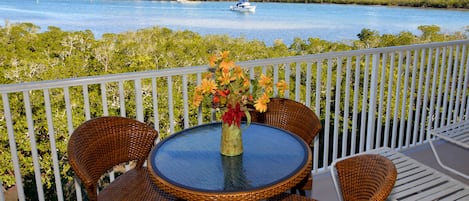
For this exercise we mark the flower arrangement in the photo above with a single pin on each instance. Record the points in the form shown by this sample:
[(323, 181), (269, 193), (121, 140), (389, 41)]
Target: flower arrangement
[(227, 88)]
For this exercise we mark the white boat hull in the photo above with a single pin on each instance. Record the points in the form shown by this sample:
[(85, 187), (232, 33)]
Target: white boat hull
[(243, 7)]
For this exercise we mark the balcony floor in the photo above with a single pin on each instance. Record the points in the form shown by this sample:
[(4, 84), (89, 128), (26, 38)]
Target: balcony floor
[(452, 155)]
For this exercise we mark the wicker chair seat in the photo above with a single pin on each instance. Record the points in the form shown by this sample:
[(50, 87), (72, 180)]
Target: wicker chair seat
[(134, 184)]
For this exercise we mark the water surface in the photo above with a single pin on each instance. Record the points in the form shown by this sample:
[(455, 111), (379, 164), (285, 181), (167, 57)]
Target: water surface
[(271, 21)]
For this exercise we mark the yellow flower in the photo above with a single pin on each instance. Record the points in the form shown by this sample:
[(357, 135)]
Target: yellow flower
[(225, 79), (228, 85), (226, 65), (198, 97), (224, 54), (212, 59), (266, 83), (246, 83), (208, 76), (261, 103), (282, 86), (238, 72), (208, 86)]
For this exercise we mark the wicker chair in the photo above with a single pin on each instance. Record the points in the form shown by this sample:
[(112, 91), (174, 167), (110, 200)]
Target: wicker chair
[(364, 177), (296, 118), (99, 144), (290, 197)]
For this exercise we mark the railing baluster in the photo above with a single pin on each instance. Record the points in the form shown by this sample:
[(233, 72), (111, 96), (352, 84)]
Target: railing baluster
[(86, 101), (298, 81), (32, 138), (68, 109), (138, 100), (104, 99), (199, 112), (122, 99), (404, 102), (425, 118), (397, 97), (318, 112), (13, 147), (356, 91), (287, 78), (412, 99), (432, 95), (308, 85), (452, 95), (466, 80), (381, 100), (51, 132), (2, 195), (440, 89), (389, 100), (338, 86), (170, 104), (447, 119), (276, 78), (185, 101), (460, 79), (348, 75), (372, 106), (365, 102), (328, 112)]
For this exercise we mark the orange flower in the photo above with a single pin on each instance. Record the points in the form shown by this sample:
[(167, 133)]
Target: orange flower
[(208, 76), (227, 88), (238, 72), (226, 65), (246, 83), (266, 83), (197, 99), (282, 86), (225, 79), (224, 54), (212, 59), (261, 103), (208, 86)]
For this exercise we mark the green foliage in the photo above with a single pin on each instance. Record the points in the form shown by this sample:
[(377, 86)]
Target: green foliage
[(27, 55), (410, 3)]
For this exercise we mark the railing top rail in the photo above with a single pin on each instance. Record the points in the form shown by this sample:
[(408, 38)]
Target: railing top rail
[(9, 88)]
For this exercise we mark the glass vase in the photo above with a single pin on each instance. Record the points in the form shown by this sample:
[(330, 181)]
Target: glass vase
[(231, 140)]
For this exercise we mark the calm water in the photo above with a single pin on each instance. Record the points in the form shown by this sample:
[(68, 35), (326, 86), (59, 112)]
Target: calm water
[(271, 21)]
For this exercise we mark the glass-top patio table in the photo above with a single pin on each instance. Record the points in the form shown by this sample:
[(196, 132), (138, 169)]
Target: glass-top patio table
[(188, 164)]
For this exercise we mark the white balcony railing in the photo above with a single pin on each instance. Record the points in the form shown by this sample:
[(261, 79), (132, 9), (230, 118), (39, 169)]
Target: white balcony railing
[(366, 99)]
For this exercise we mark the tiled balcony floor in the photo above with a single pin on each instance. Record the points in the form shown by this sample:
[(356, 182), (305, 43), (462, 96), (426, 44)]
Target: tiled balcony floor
[(452, 155)]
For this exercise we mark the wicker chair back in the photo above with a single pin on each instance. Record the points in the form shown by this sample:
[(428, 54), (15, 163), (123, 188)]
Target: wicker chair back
[(366, 177), (99, 144)]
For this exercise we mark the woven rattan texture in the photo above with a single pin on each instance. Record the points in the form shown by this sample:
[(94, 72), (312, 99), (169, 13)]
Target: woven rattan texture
[(99, 144), (294, 117), (290, 197), (256, 194), (366, 177)]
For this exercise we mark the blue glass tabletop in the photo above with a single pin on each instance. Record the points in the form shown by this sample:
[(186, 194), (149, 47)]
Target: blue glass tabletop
[(191, 158)]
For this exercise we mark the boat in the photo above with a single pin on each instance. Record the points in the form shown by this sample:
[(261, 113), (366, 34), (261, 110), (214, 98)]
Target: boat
[(243, 6)]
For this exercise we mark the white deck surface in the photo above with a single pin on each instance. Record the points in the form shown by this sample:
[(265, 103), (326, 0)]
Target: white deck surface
[(457, 157)]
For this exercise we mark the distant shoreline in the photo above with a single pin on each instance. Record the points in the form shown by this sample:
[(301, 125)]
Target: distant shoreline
[(439, 4)]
